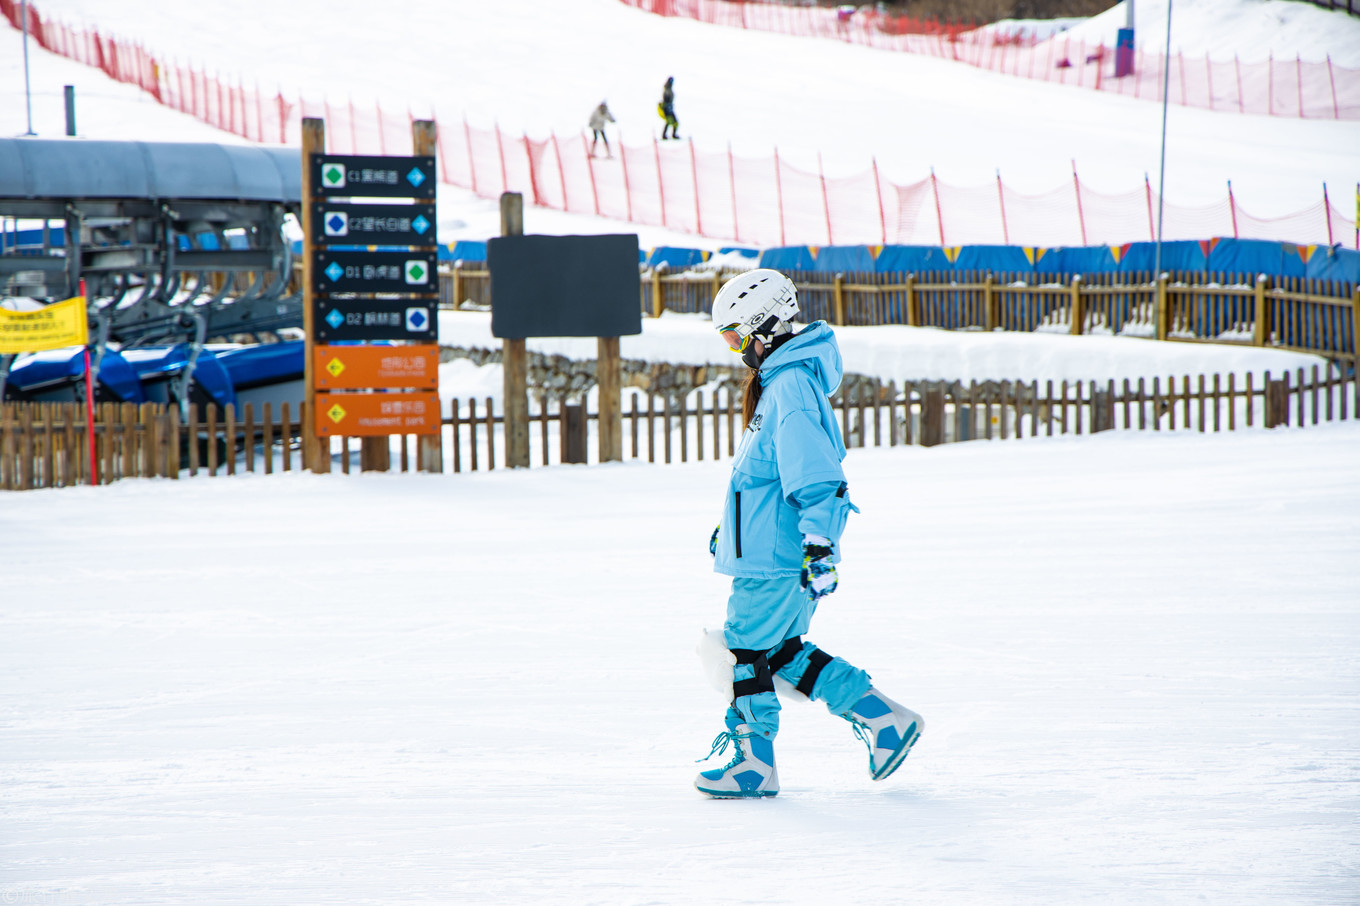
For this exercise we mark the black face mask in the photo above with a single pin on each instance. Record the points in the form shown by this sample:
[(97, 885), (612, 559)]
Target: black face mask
[(749, 356)]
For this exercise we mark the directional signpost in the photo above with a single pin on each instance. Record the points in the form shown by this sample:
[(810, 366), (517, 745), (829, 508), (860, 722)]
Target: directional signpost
[(370, 269)]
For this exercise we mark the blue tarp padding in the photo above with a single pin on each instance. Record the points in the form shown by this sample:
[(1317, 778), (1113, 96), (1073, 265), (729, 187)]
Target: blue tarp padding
[(1177, 255), (1001, 258), (465, 250), (267, 363), (837, 258), (151, 362), (675, 258), (745, 253), (788, 258), (68, 365), (911, 258), (1088, 259), (1331, 263), (1253, 256)]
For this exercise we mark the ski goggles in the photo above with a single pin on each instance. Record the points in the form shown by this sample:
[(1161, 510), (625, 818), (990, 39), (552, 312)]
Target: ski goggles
[(735, 341)]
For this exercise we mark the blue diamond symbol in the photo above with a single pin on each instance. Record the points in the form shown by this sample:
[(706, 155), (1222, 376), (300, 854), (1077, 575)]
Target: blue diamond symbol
[(415, 177), (335, 271), (336, 223), (335, 319), (417, 319), (420, 225)]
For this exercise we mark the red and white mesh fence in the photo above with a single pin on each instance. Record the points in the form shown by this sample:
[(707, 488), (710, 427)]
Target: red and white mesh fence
[(755, 201)]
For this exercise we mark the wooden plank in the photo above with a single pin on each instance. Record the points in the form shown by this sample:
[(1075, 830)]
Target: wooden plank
[(684, 427), (543, 424), (491, 433), (472, 430), (267, 441), (316, 450), (666, 424), (1251, 400), (633, 426), (231, 439), (731, 422), (699, 425), (286, 436), (248, 434), (173, 435), (651, 427), (608, 376), (106, 473), (1314, 394), (192, 429), (717, 423), (878, 425), (457, 437)]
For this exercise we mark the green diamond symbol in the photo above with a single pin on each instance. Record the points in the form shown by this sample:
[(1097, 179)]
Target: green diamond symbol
[(333, 175), (415, 272)]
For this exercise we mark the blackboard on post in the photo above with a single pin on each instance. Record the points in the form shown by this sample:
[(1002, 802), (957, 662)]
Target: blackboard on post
[(564, 286)]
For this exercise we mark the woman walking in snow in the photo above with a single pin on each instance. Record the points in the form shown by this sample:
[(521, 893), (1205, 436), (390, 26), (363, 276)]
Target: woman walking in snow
[(598, 117), (779, 537)]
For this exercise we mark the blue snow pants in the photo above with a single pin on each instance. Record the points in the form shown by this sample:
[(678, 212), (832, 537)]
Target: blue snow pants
[(761, 614)]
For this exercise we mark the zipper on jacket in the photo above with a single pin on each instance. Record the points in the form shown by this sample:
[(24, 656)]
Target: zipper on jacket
[(738, 535)]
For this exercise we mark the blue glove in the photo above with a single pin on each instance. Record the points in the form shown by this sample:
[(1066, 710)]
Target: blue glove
[(819, 573), (713, 541)]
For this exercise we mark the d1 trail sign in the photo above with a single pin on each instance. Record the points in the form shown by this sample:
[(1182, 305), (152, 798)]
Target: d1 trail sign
[(403, 273), (348, 176)]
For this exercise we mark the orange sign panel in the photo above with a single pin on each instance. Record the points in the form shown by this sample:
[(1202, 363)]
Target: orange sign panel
[(374, 414), (376, 367)]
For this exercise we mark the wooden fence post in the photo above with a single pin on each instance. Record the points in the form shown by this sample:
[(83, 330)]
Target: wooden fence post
[(839, 298), (1261, 329), (932, 417), (989, 302), (1160, 314), (909, 302), (1075, 312)]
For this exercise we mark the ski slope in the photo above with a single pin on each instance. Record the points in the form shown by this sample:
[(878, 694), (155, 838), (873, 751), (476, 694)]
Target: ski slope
[(508, 63), (1136, 656)]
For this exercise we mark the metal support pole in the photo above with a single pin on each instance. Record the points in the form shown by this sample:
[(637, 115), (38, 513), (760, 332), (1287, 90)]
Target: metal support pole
[(70, 109), (1161, 179), (28, 97)]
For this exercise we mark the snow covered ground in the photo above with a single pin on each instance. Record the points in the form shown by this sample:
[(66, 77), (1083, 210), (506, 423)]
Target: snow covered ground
[(1136, 653), (1136, 657)]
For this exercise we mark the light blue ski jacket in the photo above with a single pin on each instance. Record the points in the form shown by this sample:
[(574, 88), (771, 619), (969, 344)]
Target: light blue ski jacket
[(787, 480)]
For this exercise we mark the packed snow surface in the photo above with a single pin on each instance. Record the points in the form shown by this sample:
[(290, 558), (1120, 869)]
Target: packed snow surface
[(1136, 656)]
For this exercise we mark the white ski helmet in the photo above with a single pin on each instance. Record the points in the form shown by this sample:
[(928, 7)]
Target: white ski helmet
[(756, 305)]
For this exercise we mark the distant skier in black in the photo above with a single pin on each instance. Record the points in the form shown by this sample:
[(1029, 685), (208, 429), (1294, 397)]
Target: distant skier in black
[(667, 109), (598, 117)]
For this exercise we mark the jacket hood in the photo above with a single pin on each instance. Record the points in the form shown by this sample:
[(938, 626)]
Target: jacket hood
[(815, 348)]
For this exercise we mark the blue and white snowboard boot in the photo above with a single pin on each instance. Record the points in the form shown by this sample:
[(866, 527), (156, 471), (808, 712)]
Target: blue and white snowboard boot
[(887, 728), (751, 772)]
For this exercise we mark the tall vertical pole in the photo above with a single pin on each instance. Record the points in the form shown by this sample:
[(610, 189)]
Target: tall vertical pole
[(1161, 178), (607, 377), (28, 98), (515, 357), (429, 447), (316, 451)]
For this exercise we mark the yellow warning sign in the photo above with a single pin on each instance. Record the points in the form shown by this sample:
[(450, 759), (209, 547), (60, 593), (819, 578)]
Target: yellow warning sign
[(50, 327), (336, 413), (335, 366)]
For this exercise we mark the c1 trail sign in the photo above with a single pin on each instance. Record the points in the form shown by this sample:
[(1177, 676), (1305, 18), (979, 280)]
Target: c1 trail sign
[(348, 176)]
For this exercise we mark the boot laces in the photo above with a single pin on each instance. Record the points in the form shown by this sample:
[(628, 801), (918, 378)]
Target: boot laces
[(720, 744)]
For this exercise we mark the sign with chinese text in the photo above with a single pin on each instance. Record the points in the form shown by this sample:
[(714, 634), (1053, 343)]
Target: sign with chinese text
[(404, 273), (374, 414), (349, 320), (50, 327), (334, 223), (365, 367), (349, 176)]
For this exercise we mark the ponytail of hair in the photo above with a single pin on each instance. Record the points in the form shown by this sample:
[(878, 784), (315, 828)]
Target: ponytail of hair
[(750, 397)]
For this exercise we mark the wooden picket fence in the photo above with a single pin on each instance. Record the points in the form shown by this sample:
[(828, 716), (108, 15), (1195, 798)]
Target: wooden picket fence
[(1296, 313), (44, 445)]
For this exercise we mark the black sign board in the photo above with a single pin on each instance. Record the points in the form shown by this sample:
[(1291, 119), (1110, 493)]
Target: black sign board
[(334, 223), (407, 273), (348, 176), (344, 320), (564, 286)]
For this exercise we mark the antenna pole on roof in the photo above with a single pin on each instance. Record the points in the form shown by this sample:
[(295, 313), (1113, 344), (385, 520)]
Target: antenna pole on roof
[(1161, 178), (28, 98)]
